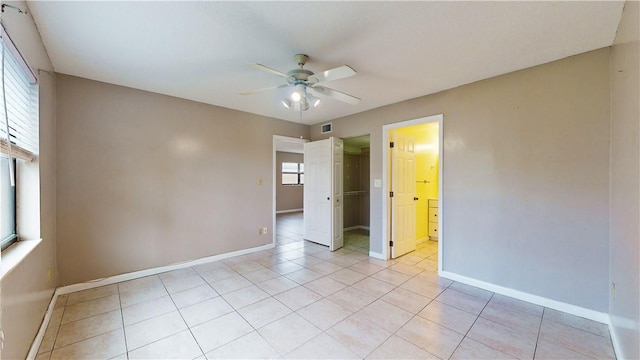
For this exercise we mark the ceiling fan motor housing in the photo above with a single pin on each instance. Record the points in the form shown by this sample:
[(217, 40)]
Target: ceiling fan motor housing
[(299, 75)]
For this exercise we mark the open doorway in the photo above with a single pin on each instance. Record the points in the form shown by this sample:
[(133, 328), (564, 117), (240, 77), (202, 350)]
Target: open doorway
[(356, 214), (288, 189), (412, 167)]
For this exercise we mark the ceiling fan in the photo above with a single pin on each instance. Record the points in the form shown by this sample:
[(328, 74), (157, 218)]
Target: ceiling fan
[(305, 84)]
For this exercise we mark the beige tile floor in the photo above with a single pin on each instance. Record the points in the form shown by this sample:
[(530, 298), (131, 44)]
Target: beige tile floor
[(299, 300)]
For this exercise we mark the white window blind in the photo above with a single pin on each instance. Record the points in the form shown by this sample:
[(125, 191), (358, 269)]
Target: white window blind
[(21, 94)]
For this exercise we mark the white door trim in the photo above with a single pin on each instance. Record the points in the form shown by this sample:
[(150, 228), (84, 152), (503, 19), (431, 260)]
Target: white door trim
[(278, 139), (386, 223)]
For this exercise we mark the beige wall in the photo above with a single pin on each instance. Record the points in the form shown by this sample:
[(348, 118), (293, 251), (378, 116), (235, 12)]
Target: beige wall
[(146, 180), (288, 197), (26, 291), (624, 307), (525, 202)]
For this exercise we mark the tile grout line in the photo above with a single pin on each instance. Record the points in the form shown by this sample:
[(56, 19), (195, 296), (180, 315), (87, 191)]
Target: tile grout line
[(124, 331), (535, 349), (471, 327), (180, 313), (53, 347)]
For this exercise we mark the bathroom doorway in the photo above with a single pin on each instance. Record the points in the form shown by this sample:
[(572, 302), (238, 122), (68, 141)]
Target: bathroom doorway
[(413, 207)]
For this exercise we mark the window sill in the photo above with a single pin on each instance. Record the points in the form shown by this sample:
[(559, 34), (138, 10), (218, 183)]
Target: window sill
[(15, 254)]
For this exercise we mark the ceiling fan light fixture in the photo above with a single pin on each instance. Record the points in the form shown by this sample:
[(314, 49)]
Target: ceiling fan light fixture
[(303, 105), (313, 100), (299, 93)]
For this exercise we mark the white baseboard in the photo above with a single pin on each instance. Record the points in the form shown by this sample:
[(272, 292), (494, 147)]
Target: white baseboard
[(376, 255), (421, 240), (33, 351), (617, 347), (125, 277), (288, 211), (534, 299)]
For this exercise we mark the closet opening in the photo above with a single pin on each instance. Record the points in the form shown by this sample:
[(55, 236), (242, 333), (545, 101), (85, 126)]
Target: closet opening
[(356, 185)]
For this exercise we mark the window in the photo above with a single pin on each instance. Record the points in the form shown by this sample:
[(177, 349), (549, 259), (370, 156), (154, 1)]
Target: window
[(7, 204), (292, 173), (18, 130)]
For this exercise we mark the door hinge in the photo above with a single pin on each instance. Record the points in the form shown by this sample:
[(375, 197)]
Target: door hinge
[(391, 243), (391, 144), (390, 193)]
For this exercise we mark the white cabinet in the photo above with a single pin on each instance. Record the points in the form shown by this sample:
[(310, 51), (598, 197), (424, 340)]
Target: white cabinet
[(433, 219)]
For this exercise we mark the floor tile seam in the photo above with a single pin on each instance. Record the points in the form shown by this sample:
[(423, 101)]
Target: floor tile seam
[(267, 324), (581, 329), (535, 349), (124, 331), (507, 305), (177, 309), (396, 333), (515, 330), (183, 320), (139, 321), (466, 334), (58, 328), (464, 292), (417, 293), (579, 351), (88, 338), (488, 345), (419, 311), (180, 279), (360, 319), (88, 300), (145, 288), (88, 317), (519, 312), (460, 307), (182, 291), (157, 340)]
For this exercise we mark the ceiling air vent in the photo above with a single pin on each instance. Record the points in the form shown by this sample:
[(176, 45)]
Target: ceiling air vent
[(325, 128)]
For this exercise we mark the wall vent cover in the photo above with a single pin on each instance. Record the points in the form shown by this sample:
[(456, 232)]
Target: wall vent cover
[(325, 128)]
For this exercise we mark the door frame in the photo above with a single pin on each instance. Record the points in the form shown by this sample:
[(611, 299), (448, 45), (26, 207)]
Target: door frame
[(386, 163), (276, 140)]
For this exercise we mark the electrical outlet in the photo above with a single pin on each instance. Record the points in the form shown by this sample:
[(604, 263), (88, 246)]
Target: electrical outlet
[(49, 276), (259, 231), (264, 230), (260, 181)]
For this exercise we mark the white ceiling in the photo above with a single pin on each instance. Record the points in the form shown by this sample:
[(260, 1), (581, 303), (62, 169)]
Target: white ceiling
[(400, 50)]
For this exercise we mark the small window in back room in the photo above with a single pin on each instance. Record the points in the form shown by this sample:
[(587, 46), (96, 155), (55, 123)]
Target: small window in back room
[(292, 173)]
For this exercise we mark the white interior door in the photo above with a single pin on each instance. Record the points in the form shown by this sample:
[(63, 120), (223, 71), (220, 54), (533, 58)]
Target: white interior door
[(338, 167), (323, 192), (403, 186)]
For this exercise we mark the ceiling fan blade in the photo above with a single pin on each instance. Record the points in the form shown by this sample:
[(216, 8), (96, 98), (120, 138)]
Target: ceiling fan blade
[(269, 70), (340, 72), (255, 91), (338, 95)]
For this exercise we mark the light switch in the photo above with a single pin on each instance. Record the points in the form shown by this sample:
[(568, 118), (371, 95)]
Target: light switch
[(377, 183), (260, 181)]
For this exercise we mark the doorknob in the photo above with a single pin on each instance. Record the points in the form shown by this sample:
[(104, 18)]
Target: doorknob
[(415, 199)]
